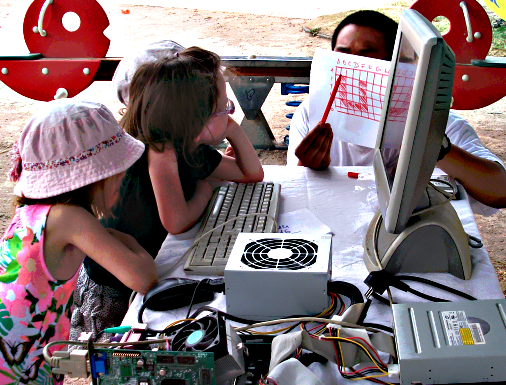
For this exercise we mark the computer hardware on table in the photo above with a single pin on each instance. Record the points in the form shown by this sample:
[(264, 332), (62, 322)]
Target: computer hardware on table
[(414, 117), (451, 342), (212, 251), (272, 276)]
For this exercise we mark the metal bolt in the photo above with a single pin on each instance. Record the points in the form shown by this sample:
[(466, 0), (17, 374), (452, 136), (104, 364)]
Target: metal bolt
[(5, 71), (86, 71), (35, 30), (465, 78), (45, 71), (477, 35), (61, 93)]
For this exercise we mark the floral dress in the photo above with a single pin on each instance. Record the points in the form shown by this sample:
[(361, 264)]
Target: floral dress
[(34, 307)]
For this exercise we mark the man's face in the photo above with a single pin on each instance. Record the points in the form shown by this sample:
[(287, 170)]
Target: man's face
[(362, 41)]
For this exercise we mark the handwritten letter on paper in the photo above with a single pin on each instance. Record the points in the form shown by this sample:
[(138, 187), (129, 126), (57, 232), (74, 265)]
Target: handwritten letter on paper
[(356, 110)]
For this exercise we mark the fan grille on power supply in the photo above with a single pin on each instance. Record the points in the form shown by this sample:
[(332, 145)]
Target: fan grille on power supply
[(280, 254)]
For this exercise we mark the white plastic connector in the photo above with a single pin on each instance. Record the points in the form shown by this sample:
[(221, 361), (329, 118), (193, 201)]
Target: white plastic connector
[(394, 372), (85, 336), (74, 364)]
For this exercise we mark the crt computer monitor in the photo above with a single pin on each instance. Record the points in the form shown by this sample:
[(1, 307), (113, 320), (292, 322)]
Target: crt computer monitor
[(413, 122)]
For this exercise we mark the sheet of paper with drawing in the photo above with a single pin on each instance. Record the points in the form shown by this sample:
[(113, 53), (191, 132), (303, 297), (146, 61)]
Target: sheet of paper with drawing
[(356, 111)]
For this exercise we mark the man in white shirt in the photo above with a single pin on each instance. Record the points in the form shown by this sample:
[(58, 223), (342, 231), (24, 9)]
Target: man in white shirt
[(372, 34)]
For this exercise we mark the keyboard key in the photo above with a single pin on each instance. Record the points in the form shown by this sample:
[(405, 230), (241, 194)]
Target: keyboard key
[(230, 201)]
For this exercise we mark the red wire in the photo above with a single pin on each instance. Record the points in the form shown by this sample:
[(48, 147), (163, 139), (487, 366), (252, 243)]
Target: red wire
[(370, 347)]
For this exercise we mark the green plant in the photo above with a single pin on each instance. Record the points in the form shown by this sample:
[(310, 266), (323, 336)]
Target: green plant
[(314, 31), (498, 47), (442, 24)]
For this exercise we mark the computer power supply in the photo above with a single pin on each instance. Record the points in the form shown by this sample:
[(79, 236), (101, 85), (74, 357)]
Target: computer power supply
[(451, 342), (276, 275)]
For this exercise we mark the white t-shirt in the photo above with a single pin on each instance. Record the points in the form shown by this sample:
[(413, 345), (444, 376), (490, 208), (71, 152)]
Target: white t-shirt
[(459, 132)]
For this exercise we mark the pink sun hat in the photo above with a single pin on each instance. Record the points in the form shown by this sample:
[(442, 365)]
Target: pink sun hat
[(131, 62), (68, 144)]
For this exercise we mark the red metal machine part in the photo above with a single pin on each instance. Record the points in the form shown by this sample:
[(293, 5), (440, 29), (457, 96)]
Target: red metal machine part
[(41, 79), (470, 38), (70, 58)]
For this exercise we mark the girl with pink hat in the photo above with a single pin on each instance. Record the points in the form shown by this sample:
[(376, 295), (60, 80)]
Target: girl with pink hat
[(68, 165)]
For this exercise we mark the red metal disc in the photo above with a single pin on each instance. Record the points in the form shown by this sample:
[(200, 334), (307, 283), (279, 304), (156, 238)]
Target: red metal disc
[(456, 37), (27, 77), (484, 86), (87, 41)]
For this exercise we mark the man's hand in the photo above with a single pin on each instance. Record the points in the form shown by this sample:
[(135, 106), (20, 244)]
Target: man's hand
[(314, 150)]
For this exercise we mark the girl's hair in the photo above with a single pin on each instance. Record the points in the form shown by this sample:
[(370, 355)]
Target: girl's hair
[(90, 197), (171, 99)]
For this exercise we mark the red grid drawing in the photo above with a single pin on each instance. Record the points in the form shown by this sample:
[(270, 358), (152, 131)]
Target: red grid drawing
[(361, 93), (401, 96)]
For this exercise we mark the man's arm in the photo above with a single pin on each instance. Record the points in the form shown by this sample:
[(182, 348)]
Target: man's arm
[(473, 165), (483, 179)]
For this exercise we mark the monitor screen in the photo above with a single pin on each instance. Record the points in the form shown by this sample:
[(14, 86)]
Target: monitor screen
[(413, 121), (398, 105)]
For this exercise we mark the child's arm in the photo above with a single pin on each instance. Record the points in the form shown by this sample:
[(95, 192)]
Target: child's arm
[(245, 167), (69, 227), (176, 214)]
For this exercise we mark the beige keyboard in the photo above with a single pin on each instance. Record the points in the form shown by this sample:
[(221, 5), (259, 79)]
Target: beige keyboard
[(210, 255)]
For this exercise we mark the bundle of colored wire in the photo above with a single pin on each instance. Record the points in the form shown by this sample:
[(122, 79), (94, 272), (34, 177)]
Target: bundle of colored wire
[(370, 373), (326, 313)]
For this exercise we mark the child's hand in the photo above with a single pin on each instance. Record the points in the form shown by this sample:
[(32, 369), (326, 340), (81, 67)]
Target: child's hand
[(229, 151), (232, 127)]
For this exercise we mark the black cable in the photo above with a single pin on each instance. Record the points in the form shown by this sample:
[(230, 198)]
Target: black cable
[(91, 352), (309, 358), (436, 284), (383, 300), (426, 296), (412, 291), (347, 289), (378, 326), (98, 335), (193, 296), (330, 312), (141, 311), (378, 281), (478, 243), (224, 315)]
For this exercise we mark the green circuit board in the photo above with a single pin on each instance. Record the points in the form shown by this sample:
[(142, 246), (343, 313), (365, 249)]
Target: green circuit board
[(146, 367)]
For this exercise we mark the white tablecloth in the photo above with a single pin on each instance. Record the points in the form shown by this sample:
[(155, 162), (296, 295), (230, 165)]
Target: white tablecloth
[(347, 206)]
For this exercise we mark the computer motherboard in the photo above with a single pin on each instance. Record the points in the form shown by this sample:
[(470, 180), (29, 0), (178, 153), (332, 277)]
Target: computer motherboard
[(145, 367)]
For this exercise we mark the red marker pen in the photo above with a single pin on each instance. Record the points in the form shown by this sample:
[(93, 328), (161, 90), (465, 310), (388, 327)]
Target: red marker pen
[(331, 100)]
